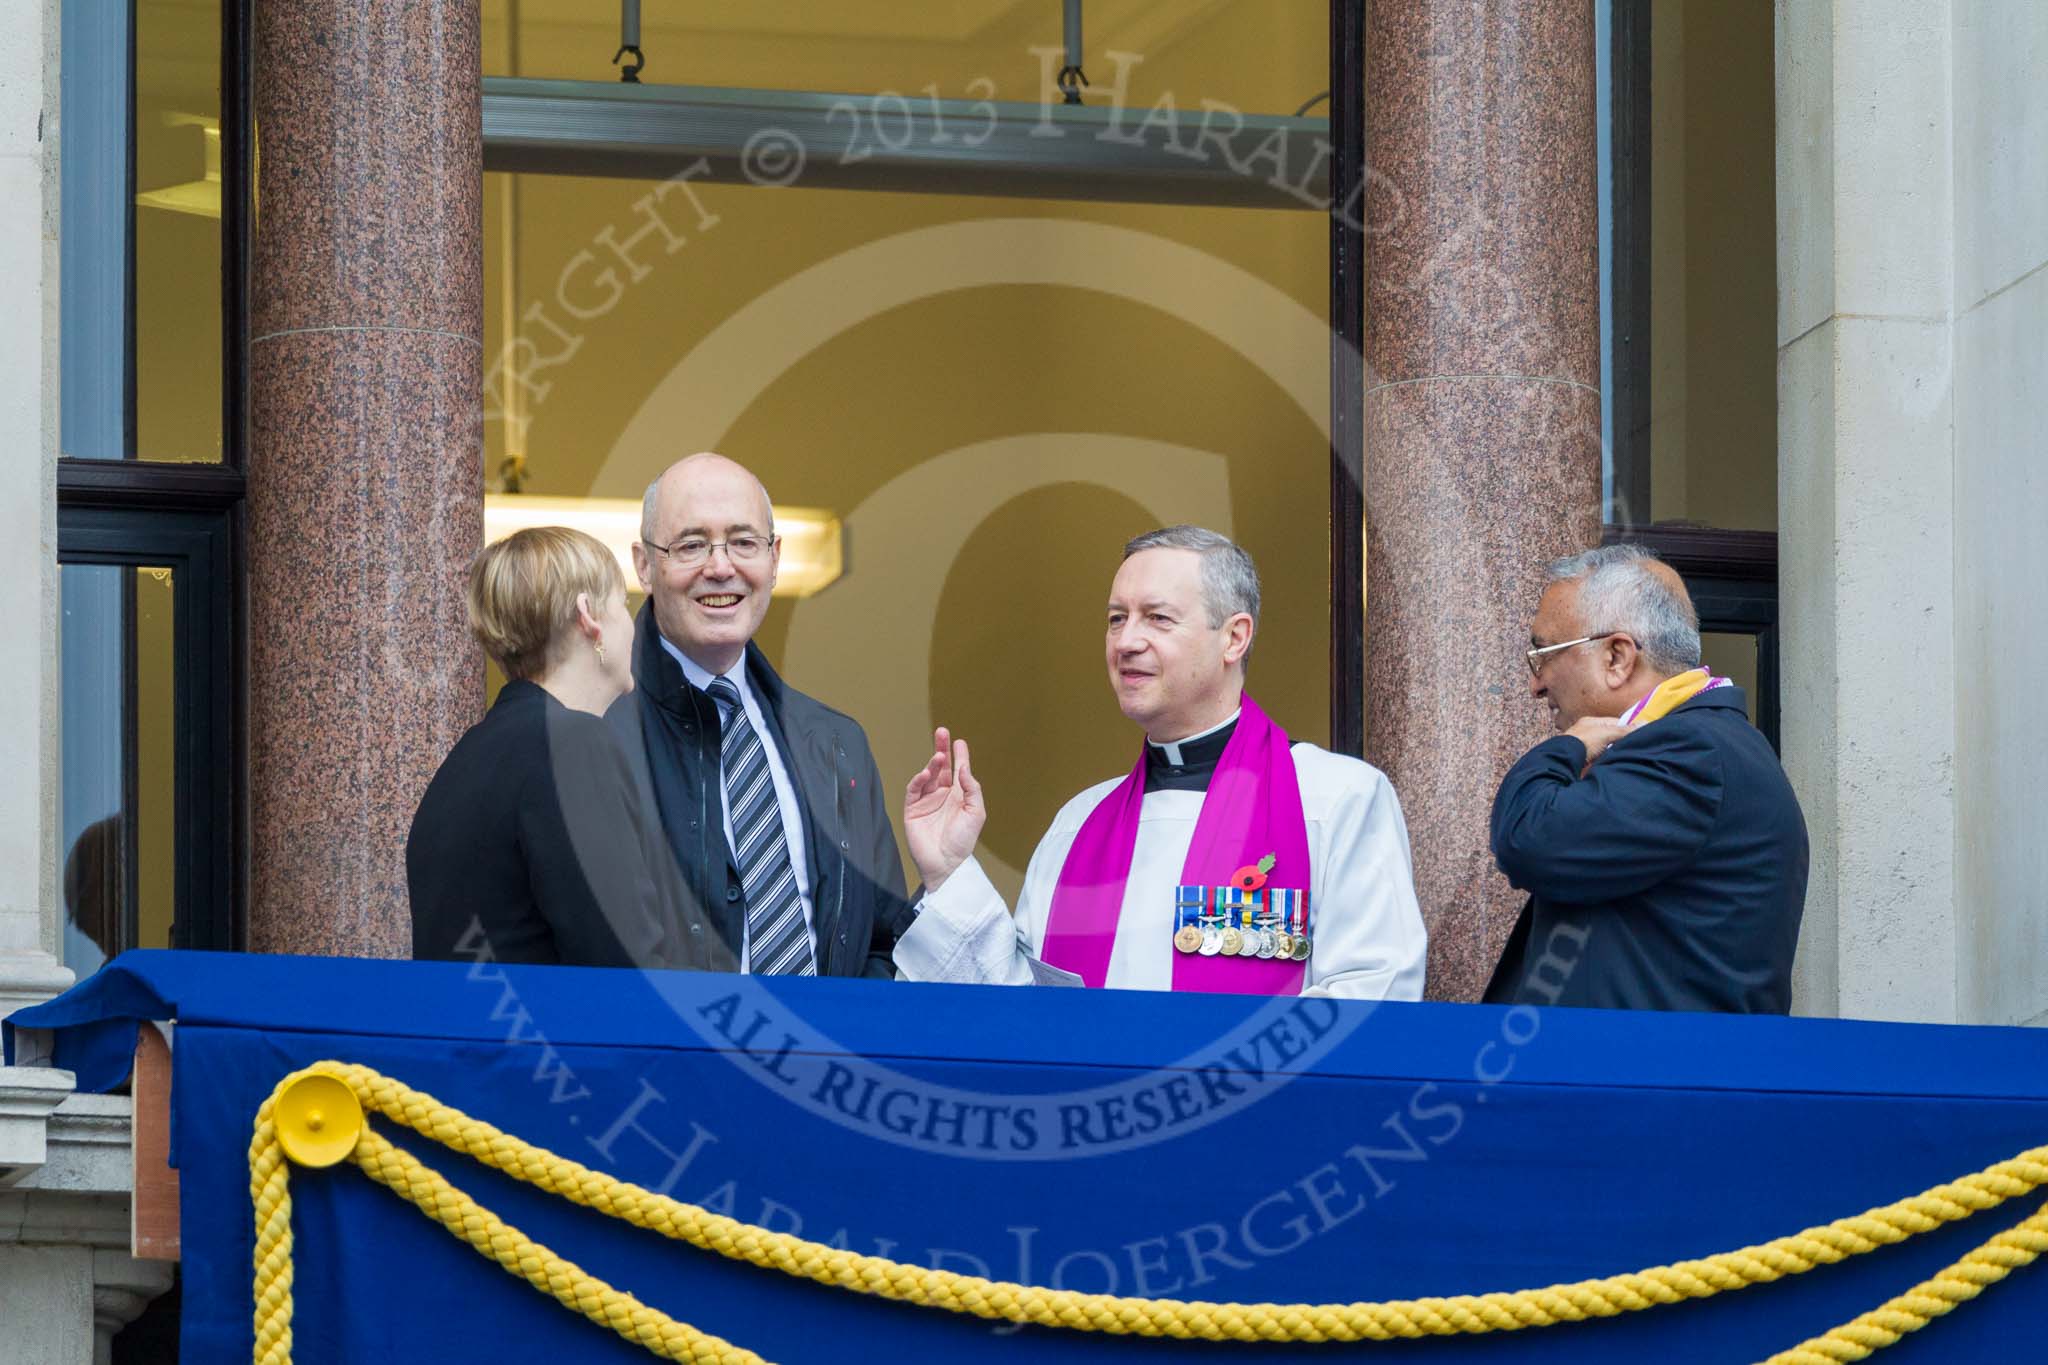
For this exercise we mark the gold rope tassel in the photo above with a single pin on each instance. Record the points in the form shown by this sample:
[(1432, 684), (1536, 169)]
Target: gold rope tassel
[(1018, 1303)]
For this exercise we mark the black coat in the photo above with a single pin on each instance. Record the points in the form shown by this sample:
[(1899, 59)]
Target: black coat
[(1670, 877), (530, 846), (670, 732)]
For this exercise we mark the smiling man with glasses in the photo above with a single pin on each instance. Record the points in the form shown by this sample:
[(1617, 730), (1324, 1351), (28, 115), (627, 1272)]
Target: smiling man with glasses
[(769, 800), (1661, 846)]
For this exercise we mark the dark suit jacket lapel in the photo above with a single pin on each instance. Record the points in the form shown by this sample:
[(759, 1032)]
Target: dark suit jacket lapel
[(676, 749)]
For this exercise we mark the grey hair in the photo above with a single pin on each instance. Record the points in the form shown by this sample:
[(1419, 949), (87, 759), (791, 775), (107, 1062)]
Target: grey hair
[(652, 497), (1230, 581), (1619, 593)]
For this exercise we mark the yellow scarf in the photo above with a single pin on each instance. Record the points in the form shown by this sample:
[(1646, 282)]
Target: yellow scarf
[(1670, 694)]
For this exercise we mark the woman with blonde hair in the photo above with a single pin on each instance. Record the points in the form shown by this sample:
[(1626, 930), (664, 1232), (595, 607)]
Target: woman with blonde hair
[(530, 844)]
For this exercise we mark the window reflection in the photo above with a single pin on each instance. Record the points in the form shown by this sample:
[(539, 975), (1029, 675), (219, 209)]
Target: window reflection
[(1732, 657), (177, 230), (1057, 376), (1713, 281), (141, 233), (1048, 377), (116, 855)]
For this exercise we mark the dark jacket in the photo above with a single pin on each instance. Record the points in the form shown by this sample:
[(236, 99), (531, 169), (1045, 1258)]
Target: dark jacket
[(1670, 877), (670, 732), (530, 846)]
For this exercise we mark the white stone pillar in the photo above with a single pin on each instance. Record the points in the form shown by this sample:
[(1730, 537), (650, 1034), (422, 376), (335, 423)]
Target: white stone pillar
[(1911, 499), (1866, 497), (2001, 508), (54, 1286), (30, 968), (66, 1279)]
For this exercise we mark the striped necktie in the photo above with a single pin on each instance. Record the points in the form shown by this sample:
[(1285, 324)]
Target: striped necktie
[(778, 941)]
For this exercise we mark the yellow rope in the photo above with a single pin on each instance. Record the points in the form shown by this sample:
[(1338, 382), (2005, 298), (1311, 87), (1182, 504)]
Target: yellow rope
[(270, 1192), (569, 1284), (1019, 1303), (1948, 1290)]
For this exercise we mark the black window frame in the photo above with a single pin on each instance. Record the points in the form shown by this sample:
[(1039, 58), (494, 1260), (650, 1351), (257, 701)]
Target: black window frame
[(1347, 379), (197, 546), (1628, 208)]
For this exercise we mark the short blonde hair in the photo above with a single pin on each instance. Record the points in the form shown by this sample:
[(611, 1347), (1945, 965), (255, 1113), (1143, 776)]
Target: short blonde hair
[(523, 589)]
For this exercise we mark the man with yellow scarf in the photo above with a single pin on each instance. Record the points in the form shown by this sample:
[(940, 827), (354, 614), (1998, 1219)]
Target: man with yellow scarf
[(1661, 846)]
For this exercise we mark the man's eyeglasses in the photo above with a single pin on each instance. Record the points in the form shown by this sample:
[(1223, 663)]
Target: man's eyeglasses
[(691, 551), (1540, 657)]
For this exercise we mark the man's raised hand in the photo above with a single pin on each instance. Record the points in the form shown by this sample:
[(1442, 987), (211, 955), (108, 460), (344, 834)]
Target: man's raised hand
[(943, 811), (1596, 733)]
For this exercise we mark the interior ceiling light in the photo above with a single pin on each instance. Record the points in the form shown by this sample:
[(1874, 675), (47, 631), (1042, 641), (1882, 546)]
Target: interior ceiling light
[(813, 541), (201, 196)]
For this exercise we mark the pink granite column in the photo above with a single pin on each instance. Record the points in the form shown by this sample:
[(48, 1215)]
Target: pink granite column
[(1482, 422), (365, 462)]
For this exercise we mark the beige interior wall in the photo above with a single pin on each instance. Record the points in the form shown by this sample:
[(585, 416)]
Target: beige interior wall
[(1731, 281), (177, 255), (1732, 657), (1713, 268), (1066, 379), (990, 445)]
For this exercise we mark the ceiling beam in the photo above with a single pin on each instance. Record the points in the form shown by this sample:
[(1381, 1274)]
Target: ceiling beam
[(1204, 156)]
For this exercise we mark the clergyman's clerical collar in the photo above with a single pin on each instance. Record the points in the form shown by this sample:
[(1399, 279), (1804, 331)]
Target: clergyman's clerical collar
[(1186, 765)]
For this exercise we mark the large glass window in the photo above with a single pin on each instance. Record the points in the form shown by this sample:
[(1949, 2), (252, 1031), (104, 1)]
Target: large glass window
[(178, 190), (1689, 298), (1713, 266), (985, 396), (1688, 161), (149, 487), (116, 794), (146, 834), (143, 235)]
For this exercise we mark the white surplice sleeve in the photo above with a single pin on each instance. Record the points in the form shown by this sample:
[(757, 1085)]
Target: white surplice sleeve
[(964, 934), (1369, 943), (1368, 934)]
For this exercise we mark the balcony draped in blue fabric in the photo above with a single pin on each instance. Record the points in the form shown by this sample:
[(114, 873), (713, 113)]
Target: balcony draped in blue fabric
[(1211, 1147)]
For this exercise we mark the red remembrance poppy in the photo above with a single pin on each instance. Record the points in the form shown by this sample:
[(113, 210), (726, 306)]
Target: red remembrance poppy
[(1252, 876)]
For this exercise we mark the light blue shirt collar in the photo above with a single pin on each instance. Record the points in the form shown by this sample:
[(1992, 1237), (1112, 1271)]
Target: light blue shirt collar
[(700, 677)]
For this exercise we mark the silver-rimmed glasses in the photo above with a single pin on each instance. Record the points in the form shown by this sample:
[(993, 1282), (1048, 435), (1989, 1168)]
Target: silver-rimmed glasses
[(690, 551)]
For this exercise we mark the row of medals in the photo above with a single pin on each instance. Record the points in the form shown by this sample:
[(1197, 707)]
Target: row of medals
[(1265, 939)]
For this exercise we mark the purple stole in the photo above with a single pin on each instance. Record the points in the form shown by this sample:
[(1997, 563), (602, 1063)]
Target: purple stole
[(1252, 809)]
